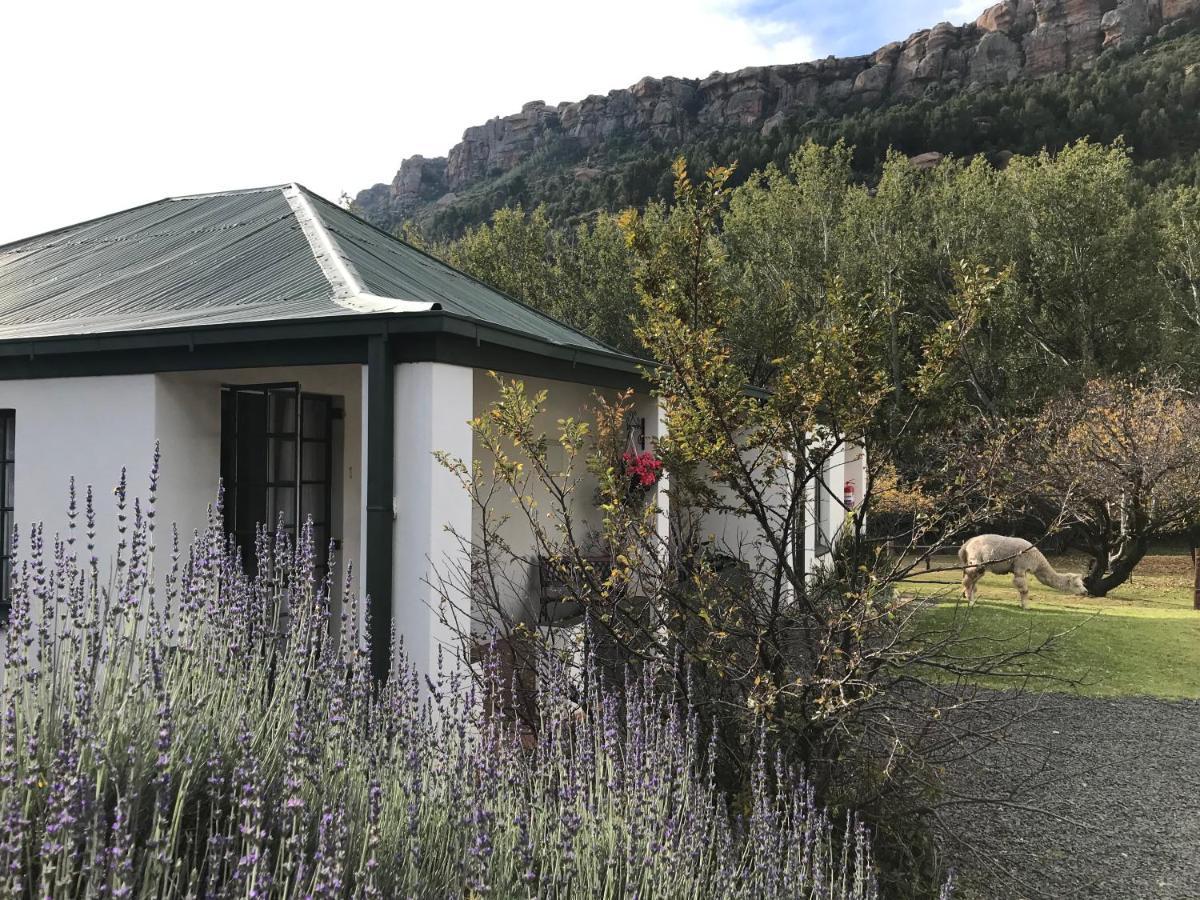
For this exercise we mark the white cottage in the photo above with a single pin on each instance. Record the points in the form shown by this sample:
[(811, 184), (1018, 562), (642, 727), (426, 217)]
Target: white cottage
[(269, 339)]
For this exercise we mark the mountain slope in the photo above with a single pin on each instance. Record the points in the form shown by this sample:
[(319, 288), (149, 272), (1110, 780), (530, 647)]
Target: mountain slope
[(1026, 74)]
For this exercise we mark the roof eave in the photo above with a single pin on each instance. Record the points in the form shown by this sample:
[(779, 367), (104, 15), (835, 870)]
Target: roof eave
[(358, 324)]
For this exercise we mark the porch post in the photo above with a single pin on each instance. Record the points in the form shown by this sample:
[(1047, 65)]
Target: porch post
[(380, 517), (657, 425), (431, 580)]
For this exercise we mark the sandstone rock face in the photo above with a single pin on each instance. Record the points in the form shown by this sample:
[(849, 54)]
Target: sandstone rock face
[(936, 56), (419, 181), (1177, 9), (1084, 33), (1129, 24), (419, 178), (998, 17), (871, 83), (1046, 50), (1013, 39), (499, 144), (1067, 35), (924, 161), (1009, 17), (996, 59)]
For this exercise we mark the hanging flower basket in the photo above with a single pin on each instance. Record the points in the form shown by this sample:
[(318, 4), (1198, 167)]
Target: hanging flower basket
[(643, 471)]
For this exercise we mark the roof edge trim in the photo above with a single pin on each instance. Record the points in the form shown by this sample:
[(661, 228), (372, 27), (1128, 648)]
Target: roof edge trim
[(370, 303)]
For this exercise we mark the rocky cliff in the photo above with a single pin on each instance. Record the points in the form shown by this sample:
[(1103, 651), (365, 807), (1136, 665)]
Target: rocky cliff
[(1012, 40)]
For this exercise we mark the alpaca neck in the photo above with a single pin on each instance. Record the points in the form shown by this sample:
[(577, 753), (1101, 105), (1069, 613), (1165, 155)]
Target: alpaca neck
[(1046, 575)]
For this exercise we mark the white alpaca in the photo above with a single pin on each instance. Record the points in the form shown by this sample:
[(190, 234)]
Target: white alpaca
[(1002, 555)]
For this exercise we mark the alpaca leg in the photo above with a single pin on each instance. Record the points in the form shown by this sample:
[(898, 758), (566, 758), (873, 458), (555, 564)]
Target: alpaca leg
[(1021, 581), (970, 579)]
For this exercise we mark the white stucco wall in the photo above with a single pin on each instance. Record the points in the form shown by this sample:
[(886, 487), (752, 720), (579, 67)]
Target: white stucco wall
[(519, 589), (741, 536), (86, 427), (91, 427), (518, 585), (188, 428), (732, 533)]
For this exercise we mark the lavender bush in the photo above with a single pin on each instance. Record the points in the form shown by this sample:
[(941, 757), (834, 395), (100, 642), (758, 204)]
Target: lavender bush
[(196, 732)]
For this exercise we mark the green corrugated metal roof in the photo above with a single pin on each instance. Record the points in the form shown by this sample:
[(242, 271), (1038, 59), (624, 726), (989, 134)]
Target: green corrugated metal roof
[(261, 255)]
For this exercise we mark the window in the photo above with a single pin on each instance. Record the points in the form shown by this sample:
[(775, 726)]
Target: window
[(8, 440), (276, 463), (635, 433), (820, 515)]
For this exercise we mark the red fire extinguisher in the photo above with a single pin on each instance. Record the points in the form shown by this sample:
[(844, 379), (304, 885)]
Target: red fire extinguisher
[(848, 495)]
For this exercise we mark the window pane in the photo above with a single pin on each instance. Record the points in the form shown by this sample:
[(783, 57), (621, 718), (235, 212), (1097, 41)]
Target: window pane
[(229, 455), (313, 502), (283, 412), (820, 515), (281, 502), (283, 460), (316, 417), (315, 458), (249, 457)]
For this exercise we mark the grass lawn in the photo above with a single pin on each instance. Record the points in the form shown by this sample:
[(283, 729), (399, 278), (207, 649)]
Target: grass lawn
[(1143, 638)]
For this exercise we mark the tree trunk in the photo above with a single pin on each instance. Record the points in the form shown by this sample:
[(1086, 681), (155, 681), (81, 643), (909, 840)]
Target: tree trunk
[(1106, 575), (1193, 550)]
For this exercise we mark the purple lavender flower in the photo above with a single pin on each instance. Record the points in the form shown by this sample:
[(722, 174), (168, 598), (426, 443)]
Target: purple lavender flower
[(227, 739)]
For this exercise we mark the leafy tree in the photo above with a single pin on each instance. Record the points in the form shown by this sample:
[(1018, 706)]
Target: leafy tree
[(783, 231), (828, 665), (1179, 265), (887, 259), (820, 660), (1087, 266), (595, 289), (583, 277), (512, 253), (1119, 459)]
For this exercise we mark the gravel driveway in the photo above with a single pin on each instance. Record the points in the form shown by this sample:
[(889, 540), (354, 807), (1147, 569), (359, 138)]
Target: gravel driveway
[(1105, 801)]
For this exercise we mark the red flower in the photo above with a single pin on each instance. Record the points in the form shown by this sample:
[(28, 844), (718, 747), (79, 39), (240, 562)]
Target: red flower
[(643, 468)]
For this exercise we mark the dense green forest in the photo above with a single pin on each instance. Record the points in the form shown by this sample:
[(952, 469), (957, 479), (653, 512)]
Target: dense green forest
[(1149, 97), (1099, 272)]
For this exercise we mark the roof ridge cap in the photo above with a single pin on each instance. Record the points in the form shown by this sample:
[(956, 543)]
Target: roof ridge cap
[(343, 278), (229, 193), (348, 288), (541, 313)]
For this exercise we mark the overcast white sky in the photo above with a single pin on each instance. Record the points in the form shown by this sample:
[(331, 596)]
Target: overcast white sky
[(111, 104)]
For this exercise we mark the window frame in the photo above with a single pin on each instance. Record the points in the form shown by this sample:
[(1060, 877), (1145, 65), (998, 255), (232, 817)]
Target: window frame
[(8, 462)]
